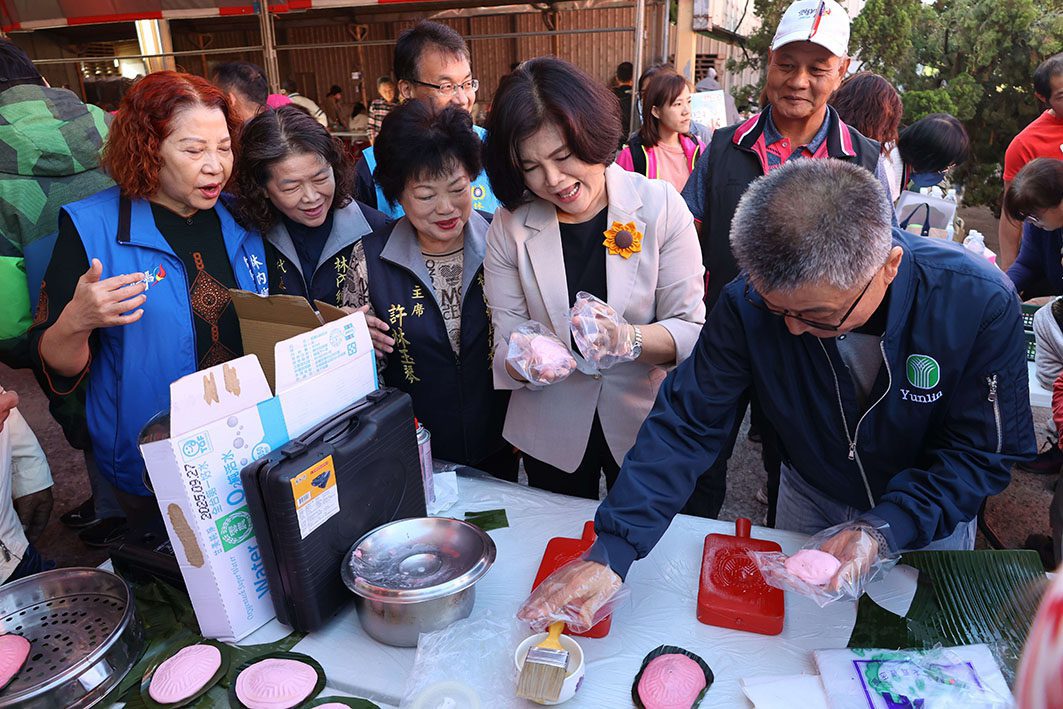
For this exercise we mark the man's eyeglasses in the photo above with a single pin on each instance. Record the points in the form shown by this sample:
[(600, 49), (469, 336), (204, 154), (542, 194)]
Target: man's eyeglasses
[(761, 305), (447, 89)]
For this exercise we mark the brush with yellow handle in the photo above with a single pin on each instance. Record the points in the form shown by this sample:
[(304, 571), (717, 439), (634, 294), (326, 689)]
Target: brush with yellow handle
[(544, 669)]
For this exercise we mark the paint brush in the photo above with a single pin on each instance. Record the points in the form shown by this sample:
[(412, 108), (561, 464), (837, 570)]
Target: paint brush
[(544, 669)]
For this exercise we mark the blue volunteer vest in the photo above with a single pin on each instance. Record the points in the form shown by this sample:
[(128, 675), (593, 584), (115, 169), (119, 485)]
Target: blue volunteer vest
[(483, 199), (131, 372)]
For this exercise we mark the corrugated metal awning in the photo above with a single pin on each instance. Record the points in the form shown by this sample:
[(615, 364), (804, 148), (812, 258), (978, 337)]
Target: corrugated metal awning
[(16, 15)]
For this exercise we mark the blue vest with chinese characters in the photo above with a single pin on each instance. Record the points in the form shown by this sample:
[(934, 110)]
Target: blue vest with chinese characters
[(131, 371), (453, 395)]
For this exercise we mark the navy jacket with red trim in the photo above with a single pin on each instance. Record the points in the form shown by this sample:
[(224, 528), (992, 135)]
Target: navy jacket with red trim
[(736, 157)]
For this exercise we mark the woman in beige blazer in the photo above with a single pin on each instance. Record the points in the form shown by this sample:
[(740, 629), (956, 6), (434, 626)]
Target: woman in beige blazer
[(572, 221)]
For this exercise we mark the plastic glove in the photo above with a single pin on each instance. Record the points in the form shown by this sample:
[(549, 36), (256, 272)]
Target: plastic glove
[(856, 546), (603, 337), (582, 593), (537, 355)]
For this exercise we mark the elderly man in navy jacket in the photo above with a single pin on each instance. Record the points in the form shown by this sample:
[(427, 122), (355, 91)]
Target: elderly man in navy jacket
[(892, 366)]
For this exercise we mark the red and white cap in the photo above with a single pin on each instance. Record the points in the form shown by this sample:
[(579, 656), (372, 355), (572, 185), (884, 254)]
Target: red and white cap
[(823, 22)]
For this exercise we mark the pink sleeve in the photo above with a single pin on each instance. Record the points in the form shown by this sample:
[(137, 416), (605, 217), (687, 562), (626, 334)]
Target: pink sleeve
[(624, 159)]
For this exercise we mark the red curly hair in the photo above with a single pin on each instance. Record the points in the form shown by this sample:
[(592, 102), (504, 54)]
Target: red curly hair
[(131, 153)]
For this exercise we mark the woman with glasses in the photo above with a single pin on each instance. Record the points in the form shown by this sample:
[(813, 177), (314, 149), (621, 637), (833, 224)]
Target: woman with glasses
[(664, 147), (1035, 197), (575, 224), (424, 280)]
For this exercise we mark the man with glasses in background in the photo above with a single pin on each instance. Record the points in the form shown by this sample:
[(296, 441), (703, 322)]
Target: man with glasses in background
[(432, 64), (892, 366)]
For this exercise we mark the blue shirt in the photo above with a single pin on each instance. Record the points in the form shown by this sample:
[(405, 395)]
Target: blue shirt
[(1039, 260)]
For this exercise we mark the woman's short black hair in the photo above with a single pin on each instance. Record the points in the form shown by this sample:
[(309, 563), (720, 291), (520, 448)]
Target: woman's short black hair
[(934, 143), (1038, 186), (270, 137), (415, 142), (541, 91)]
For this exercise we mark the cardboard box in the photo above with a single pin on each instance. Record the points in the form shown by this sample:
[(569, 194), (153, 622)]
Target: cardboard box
[(265, 321), (221, 419)]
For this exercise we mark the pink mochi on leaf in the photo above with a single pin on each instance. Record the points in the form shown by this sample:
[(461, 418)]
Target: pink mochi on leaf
[(14, 649), (183, 674), (275, 684), (671, 681), (813, 566)]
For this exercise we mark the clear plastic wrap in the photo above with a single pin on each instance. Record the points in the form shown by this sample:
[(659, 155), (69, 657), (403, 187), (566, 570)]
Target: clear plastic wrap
[(601, 335), (858, 549), (582, 593), (538, 355), (466, 664)]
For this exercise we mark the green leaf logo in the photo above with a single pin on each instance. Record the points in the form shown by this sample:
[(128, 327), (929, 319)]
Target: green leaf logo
[(923, 371)]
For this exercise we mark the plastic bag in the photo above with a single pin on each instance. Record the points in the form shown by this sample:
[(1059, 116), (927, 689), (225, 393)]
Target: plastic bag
[(582, 593), (469, 663), (538, 355), (601, 335), (857, 547), (963, 677)]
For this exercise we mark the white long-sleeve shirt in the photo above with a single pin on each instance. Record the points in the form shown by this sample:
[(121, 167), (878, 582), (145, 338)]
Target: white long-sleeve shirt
[(23, 470)]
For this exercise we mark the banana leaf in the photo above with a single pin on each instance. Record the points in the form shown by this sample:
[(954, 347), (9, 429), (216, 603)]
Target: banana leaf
[(352, 702), (961, 598), (170, 623), (488, 519)]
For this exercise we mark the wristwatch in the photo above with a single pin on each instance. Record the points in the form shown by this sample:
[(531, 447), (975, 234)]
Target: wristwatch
[(636, 349)]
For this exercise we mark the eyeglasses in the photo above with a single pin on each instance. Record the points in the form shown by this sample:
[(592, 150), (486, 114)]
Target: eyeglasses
[(447, 89), (811, 323)]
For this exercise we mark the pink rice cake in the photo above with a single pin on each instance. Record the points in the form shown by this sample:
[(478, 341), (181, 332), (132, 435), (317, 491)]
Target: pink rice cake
[(184, 674), (275, 683), (14, 649), (671, 681), (813, 566)]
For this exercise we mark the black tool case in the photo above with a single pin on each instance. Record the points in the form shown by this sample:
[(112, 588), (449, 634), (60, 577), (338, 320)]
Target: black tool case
[(376, 479)]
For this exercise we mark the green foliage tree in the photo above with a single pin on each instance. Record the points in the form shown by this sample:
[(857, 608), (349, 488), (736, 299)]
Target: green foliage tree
[(972, 58)]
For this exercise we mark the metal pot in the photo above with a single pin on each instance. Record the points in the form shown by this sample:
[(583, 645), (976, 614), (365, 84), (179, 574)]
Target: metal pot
[(84, 635), (416, 575)]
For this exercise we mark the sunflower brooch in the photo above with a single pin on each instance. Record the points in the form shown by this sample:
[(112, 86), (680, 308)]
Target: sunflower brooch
[(623, 239)]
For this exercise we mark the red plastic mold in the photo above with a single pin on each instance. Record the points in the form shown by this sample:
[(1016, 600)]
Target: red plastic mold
[(560, 551), (732, 593)]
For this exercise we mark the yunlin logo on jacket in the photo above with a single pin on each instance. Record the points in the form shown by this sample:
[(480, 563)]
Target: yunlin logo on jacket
[(923, 372)]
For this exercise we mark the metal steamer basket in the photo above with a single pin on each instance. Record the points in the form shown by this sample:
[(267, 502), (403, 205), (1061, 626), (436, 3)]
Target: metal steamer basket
[(84, 636)]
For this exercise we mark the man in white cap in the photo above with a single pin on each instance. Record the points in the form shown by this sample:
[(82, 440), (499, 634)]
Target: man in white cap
[(807, 62)]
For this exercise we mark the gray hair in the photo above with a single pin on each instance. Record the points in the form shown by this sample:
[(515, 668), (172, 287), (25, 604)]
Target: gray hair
[(812, 222)]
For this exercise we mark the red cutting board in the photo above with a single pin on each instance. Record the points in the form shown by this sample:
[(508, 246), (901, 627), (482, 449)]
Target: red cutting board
[(732, 593), (560, 551)]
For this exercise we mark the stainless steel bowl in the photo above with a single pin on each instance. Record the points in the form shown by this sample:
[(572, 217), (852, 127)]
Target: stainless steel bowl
[(84, 636), (416, 575)]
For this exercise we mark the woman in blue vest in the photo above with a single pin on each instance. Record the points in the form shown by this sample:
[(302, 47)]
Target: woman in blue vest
[(425, 279), (136, 294), (294, 187), (664, 148)]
